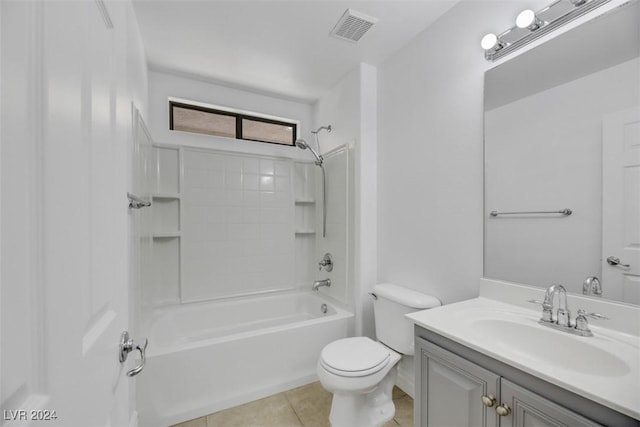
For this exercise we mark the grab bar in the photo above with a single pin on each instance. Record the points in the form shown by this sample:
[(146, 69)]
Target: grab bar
[(565, 211), (136, 202)]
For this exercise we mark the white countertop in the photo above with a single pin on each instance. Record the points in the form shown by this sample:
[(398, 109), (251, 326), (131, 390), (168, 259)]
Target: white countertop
[(613, 382)]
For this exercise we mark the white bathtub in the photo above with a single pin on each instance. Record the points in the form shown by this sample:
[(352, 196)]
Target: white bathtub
[(206, 357)]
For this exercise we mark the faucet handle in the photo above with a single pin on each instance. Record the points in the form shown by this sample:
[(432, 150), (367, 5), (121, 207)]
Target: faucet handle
[(547, 315), (582, 325), (581, 312)]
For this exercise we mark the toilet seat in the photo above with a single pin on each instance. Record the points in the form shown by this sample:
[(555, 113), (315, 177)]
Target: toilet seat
[(355, 357)]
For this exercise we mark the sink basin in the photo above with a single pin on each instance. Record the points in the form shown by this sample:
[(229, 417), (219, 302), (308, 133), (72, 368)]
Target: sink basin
[(536, 344)]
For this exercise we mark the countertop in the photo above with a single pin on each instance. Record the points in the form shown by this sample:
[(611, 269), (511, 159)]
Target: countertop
[(618, 388)]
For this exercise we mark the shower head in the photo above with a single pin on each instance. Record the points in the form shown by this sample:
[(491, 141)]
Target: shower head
[(302, 144)]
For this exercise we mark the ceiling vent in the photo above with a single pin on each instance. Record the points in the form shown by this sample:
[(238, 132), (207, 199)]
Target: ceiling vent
[(352, 26)]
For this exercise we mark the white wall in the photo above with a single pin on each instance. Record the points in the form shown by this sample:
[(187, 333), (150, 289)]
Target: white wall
[(544, 152), (430, 157), (430, 153)]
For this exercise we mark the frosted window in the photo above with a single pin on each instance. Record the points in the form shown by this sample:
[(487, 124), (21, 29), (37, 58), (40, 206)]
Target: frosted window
[(230, 124), (277, 133), (206, 122)]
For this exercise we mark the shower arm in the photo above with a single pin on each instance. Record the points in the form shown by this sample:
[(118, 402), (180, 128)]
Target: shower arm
[(315, 133)]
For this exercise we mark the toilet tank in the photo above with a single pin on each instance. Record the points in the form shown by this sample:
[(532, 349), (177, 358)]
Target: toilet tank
[(391, 303)]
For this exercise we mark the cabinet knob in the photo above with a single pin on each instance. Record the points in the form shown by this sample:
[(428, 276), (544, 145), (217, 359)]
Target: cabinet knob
[(488, 400), (503, 410)]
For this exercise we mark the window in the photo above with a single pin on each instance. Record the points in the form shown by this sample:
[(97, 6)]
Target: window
[(210, 121)]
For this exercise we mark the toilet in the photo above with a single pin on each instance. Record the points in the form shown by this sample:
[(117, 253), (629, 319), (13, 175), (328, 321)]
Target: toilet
[(361, 372)]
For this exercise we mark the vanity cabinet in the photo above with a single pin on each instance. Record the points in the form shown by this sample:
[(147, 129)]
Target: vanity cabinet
[(452, 389), (530, 409), (459, 386), (457, 392)]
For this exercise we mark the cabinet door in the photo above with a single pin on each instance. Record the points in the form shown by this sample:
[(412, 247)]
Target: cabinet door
[(451, 390), (531, 410)]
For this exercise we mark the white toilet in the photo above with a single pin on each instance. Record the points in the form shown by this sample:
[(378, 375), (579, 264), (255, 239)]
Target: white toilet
[(361, 372)]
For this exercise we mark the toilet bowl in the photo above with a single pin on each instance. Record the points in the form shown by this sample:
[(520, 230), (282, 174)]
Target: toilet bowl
[(361, 372)]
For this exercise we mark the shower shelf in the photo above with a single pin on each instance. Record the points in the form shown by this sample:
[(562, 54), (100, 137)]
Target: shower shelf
[(305, 232), (165, 196), (305, 201), (168, 235)]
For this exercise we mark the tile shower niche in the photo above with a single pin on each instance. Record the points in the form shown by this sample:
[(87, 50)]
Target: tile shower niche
[(164, 272)]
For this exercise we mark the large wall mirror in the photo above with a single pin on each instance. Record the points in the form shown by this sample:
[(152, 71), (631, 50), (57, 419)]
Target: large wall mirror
[(562, 131)]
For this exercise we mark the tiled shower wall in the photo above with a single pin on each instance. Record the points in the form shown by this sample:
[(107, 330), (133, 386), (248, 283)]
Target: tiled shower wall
[(238, 228), (225, 224)]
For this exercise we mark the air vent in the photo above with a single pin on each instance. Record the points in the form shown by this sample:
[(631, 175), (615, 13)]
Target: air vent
[(352, 26)]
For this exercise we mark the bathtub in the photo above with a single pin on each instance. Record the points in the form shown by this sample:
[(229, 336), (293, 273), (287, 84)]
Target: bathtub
[(206, 357)]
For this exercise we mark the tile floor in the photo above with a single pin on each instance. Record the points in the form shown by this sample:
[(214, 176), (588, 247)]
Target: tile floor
[(306, 406)]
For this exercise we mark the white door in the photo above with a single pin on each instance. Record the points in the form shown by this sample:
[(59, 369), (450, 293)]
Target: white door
[(64, 70), (621, 206)]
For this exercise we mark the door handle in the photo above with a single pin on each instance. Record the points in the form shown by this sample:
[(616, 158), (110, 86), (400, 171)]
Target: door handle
[(612, 260), (127, 345)]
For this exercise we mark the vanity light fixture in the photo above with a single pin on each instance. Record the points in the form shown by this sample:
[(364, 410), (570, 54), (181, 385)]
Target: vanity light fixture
[(491, 41), (532, 25), (528, 19)]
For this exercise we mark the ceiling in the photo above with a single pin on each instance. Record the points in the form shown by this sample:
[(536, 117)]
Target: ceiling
[(281, 48)]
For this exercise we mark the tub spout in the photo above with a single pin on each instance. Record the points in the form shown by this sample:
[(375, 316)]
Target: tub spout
[(318, 283)]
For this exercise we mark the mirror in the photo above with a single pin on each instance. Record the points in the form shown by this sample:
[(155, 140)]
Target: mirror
[(562, 131)]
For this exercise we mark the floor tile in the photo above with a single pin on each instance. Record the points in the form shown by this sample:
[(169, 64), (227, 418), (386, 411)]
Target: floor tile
[(306, 406), (404, 411), (198, 422), (398, 393), (312, 404), (273, 411)]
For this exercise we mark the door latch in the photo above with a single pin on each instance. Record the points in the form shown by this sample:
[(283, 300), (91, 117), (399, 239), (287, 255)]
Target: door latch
[(127, 345)]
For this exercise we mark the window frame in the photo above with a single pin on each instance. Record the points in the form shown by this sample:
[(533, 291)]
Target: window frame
[(239, 116)]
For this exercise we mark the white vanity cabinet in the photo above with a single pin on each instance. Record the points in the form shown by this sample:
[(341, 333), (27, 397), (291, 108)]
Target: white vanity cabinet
[(458, 386)]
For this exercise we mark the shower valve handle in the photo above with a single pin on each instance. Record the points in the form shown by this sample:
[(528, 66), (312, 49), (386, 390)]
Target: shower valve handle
[(326, 262)]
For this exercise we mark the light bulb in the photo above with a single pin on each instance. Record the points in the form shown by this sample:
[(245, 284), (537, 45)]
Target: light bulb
[(527, 19), (489, 41)]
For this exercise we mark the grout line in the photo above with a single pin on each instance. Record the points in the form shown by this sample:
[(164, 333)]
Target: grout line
[(293, 407)]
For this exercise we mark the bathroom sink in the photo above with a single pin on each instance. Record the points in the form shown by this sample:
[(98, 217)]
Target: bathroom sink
[(537, 344), (510, 333)]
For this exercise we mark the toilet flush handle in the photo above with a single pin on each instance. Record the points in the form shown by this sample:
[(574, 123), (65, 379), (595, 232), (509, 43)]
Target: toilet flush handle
[(373, 295)]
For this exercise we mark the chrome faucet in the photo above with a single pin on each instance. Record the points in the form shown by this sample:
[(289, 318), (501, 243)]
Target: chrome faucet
[(592, 286), (318, 283), (563, 315), (562, 320)]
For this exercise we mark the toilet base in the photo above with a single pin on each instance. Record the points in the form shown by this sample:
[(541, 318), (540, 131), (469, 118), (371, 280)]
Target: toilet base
[(372, 409)]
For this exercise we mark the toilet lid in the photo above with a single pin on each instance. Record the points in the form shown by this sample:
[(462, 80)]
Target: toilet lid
[(354, 357)]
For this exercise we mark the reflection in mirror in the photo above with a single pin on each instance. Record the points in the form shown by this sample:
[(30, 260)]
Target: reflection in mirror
[(562, 131)]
